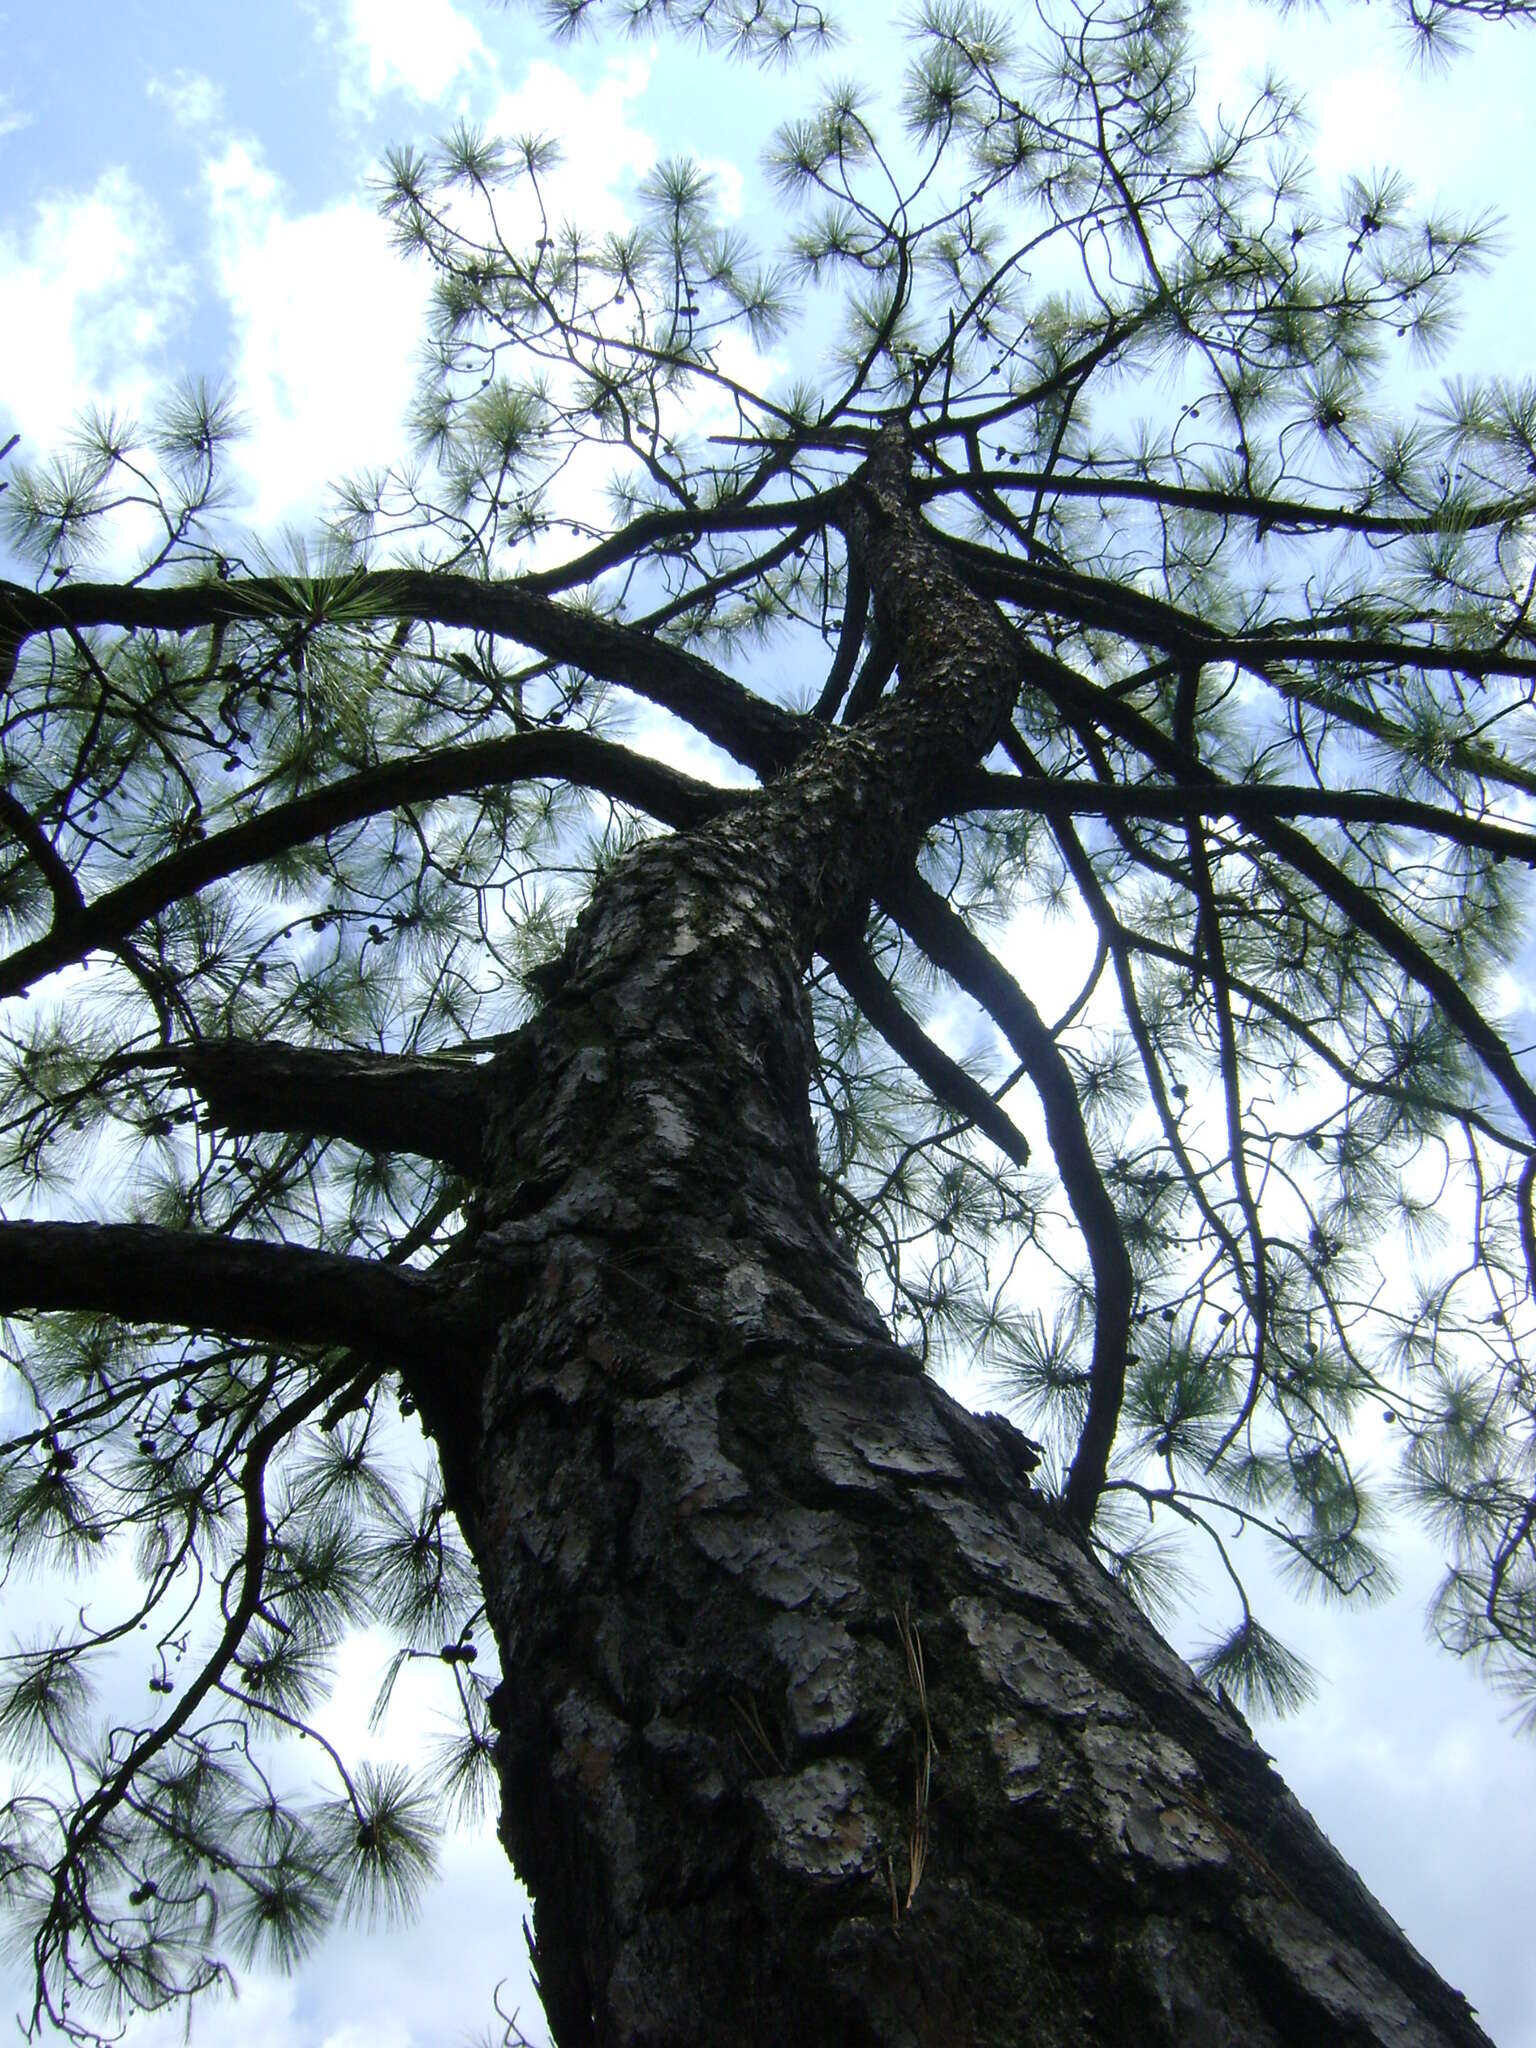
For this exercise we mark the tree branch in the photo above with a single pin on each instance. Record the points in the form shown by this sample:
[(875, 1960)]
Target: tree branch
[(384, 1102), (1086, 707), (1268, 514), (761, 735), (241, 1287), (855, 968), (850, 640), (55, 870), (1244, 802), (951, 944), (574, 757), (1119, 608)]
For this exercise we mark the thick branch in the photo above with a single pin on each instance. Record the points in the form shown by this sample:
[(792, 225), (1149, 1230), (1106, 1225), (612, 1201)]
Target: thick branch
[(951, 944), (240, 1287), (383, 1102), (574, 757), (856, 970)]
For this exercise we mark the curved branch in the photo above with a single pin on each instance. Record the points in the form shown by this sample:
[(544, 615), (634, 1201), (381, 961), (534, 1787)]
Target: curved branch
[(761, 735), (574, 757), (951, 944)]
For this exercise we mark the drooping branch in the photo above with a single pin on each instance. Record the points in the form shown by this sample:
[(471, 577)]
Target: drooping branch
[(240, 1287), (951, 944), (856, 969), (1088, 708), (574, 757), (383, 1102)]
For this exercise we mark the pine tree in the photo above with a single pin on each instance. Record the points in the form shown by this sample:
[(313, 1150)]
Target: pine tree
[(419, 1040)]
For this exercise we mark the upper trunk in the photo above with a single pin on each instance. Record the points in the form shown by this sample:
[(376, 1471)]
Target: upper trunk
[(817, 1725)]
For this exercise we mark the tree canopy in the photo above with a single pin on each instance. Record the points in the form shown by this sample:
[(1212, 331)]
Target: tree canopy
[(295, 836)]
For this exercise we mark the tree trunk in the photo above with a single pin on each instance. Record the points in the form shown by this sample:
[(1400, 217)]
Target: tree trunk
[(817, 1726)]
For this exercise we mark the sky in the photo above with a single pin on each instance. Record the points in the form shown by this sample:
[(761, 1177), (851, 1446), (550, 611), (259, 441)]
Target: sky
[(186, 189)]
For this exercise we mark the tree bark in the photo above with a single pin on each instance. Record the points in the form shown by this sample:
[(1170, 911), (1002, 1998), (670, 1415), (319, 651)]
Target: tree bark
[(817, 1726)]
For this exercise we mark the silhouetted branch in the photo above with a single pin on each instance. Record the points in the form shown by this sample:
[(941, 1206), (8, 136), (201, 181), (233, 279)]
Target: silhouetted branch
[(856, 969), (951, 944), (241, 1287), (574, 757)]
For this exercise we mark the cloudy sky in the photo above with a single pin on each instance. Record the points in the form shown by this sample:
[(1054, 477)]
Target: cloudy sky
[(186, 189)]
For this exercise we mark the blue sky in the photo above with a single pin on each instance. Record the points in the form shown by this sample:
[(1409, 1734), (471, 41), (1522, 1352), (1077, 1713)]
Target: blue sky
[(184, 189)]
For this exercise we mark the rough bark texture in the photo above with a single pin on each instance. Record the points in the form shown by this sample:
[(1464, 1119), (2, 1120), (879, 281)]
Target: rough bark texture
[(817, 1726)]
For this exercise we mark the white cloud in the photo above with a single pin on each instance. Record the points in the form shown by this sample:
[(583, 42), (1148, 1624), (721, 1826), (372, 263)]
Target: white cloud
[(90, 293), (10, 119), (418, 47), (1360, 123), (730, 185), (192, 100), (602, 149), (327, 319)]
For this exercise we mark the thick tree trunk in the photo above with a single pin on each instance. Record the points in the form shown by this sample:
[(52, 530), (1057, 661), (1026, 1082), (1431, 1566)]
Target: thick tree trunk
[(817, 1726)]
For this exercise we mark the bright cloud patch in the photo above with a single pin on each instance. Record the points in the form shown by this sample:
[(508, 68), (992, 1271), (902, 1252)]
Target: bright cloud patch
[(602, 149), (89, 294), (414, 46), (191, 100), (327, 320)]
